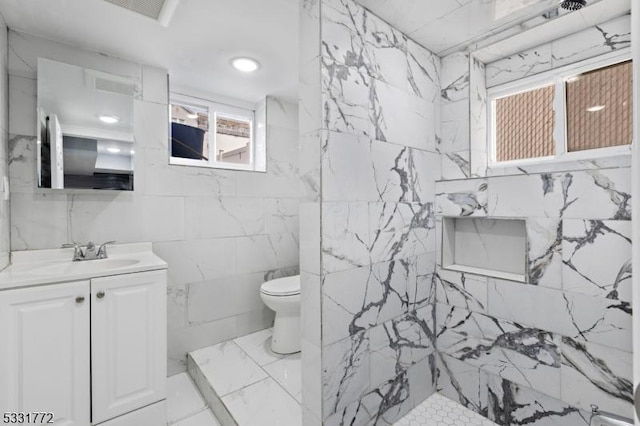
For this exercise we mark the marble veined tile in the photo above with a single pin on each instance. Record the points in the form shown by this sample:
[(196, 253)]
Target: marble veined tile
[(227, 367), (183, 398), (258, 347), (460, 382), (462, 197), (288, 373), (203, 418), (596, 374), (596, 256), (264, 403)]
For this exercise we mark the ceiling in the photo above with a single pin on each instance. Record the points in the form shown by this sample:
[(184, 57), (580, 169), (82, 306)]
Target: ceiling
[(445, 26), (196, 46)]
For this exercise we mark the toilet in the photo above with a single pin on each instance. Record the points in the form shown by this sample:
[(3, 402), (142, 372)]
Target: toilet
[(282, 295)]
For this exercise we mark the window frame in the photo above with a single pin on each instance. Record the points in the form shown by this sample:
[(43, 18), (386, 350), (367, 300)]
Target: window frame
[(556, 77), (213, 110)]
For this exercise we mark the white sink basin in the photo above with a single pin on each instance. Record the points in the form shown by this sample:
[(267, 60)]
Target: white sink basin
[(85, 266)]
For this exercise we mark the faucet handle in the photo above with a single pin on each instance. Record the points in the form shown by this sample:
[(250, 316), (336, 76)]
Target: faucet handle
[(102, 250), (77, 250)]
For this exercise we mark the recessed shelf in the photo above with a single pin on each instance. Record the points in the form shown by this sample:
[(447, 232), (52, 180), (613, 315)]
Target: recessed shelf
[(485, 246)]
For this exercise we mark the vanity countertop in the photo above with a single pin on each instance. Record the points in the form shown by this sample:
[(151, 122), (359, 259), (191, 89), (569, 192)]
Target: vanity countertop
[(38, 267)]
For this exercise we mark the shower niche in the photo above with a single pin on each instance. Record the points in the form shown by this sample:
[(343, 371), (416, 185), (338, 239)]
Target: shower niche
[(485, 246)]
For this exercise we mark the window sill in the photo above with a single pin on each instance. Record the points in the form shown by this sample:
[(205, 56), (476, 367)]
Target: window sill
[(176, 161), (617, 157)]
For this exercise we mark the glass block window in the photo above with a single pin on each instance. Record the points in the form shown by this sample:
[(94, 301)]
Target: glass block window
[(600, 108), (524, 125)]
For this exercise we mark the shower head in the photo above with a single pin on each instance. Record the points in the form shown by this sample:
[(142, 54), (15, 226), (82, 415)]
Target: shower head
[(573, 4)]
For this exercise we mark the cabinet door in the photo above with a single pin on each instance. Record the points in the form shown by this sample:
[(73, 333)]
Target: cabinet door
[(44, 351), (128, 342)]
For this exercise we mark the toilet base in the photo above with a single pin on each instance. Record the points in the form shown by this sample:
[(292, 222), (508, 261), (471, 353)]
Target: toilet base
[(286, 334)]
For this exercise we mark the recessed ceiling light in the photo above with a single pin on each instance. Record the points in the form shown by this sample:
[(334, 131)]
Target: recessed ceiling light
[(113, 150), (109, 119), (132, 152), (595, 108), (192, 116), (245, 64)]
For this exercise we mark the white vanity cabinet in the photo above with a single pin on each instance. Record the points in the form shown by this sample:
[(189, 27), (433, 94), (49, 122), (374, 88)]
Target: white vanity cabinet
[(90, 351)]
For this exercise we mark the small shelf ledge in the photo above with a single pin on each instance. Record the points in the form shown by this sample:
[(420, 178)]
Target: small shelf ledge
[(487, 272)]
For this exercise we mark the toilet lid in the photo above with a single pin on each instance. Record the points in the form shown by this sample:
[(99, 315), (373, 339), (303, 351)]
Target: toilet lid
[(286, 286)]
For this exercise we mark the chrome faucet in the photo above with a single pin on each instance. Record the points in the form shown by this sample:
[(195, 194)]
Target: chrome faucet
[(89, 252)]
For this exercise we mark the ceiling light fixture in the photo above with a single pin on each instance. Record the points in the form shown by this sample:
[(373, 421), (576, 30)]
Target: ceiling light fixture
[(192, 116), (113, 150), (595, 108), (245, 64), (132, 152), (109, 119)]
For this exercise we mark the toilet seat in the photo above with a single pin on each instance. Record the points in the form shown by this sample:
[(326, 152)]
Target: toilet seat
[(287, 286)]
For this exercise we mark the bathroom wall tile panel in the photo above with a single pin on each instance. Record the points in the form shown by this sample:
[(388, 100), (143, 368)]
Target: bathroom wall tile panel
[(283, 141), (309, 92), (528, 356), (101, 218), (345, 372), (345, 236), (343, 33), (240, 292), (176, 305), (422, 291), (22, 98), (422, 379), (423, 72), (281, 181), (310, 159), (462, 290), (592, 42), (311, 361), (544, 252), (512, 404), (282, 215), (454, 79), (282, 115), (162, 179), (361, 298), (260, 253), (309, 31), (347, 168), (456, 165), (310, 308), (147, 134), (454, 132), (401, 118), (22, 164), (310, 234), (38, 221), (404, 174), (478, 118), (401, 230), (462, 197), (155, 85), (224, 217), (345, 98), (254, 321), (540, 195), (198, 260), (597, 194), (596, 258), (382, 406), (594, 374), (460, 382), (521, 65), (398, 344)]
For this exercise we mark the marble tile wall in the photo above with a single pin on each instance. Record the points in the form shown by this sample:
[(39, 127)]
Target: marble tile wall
[(4, 158), (371, 104), (222, 232), (543, 351)]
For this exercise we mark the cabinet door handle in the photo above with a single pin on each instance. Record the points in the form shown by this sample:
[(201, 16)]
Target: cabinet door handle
[(79, 299), (100, 294)]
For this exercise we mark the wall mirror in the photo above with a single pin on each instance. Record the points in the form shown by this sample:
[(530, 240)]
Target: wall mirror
[(85, 128)]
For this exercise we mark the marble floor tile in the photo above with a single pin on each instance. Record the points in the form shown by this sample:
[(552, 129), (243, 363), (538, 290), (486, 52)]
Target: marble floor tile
[(227, 367), (183, 398), (258, 346), (264, 403), (440, 411), (203, 418), (288, 373)]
